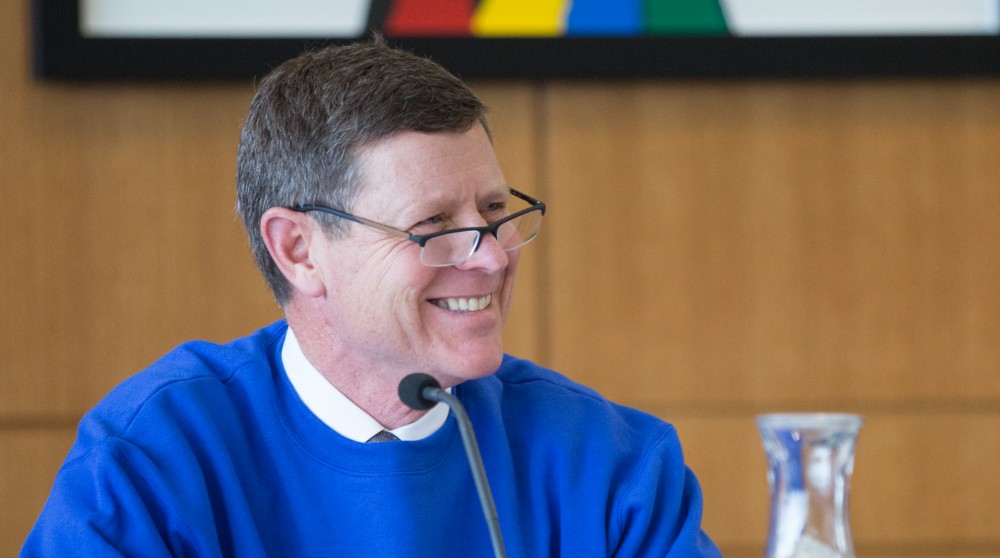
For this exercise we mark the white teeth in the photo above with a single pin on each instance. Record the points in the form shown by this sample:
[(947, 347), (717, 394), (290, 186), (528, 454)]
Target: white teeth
[(464, 304)]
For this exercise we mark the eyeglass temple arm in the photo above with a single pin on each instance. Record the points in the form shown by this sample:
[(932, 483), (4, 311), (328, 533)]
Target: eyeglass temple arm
[(527, 198), (344, 215), (384, 228)]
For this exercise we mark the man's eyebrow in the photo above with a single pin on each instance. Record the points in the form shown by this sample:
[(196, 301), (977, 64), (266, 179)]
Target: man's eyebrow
[(500, 191), (443, 197)]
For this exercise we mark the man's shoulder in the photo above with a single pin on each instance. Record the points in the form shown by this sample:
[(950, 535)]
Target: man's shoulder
[(517, 373), (522, 384), (195, 360), (194, 373)]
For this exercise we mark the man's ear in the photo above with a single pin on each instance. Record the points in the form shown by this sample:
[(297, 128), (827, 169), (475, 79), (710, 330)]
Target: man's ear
[(289, 235)]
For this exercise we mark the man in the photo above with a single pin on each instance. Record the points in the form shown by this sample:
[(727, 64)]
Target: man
[(382, 222)]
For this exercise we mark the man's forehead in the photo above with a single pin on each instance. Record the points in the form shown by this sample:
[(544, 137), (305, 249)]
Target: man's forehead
[(441, 193), (432, 166)]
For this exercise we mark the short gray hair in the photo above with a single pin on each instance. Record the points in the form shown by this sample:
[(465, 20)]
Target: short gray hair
[(312, 115)]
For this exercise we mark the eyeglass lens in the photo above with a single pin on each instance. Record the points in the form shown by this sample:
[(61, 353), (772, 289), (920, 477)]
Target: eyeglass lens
[(454, 248)]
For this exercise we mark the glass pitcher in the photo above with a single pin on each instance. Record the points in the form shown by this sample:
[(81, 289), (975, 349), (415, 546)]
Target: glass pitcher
[(810, 459)]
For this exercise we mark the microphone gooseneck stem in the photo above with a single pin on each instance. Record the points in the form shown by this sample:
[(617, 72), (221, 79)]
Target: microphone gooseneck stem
[(475, 462)]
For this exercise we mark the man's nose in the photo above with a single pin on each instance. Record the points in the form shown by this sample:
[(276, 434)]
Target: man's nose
[(488, 255)]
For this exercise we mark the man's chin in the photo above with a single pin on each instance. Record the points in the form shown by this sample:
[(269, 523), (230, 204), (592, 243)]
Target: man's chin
[(472, 367)]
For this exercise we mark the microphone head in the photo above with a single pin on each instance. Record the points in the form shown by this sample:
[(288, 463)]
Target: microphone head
[(411, 390)]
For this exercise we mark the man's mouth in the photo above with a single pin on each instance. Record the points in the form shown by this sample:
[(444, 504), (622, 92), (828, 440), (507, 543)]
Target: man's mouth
[(470, 304)]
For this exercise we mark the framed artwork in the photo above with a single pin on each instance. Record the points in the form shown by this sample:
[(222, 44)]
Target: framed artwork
[(524, 39)]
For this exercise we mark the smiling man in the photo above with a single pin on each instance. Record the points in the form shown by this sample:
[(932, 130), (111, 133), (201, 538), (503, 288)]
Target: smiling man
[(368, 308), (383, 224)]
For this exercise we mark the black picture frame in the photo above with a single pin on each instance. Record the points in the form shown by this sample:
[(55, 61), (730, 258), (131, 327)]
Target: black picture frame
[(60, 52)]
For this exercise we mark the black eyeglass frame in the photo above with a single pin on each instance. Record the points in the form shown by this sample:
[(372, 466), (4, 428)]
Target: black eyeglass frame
[(422, 239)]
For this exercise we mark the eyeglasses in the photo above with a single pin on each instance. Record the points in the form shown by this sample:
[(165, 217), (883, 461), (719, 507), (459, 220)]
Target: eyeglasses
[(454, 246)]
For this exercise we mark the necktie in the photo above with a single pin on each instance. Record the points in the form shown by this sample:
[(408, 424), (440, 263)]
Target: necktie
[(383, 436)]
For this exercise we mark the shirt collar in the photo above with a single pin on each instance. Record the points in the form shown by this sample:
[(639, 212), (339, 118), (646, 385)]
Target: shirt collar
[(336, 410)]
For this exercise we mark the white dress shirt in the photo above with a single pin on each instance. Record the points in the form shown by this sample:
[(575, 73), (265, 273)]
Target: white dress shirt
[(340, 413)]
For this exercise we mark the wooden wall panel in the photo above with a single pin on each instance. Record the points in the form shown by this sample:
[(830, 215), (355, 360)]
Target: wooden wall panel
[(776, 242), (29, 460), (122, 241), (921, 481), (726, 250), (127, 241)]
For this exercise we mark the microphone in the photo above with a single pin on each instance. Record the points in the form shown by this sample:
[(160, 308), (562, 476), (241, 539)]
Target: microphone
[(421, 391)]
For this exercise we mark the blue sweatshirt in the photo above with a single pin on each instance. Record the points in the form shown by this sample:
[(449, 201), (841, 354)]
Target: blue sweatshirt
[(210, 452)]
